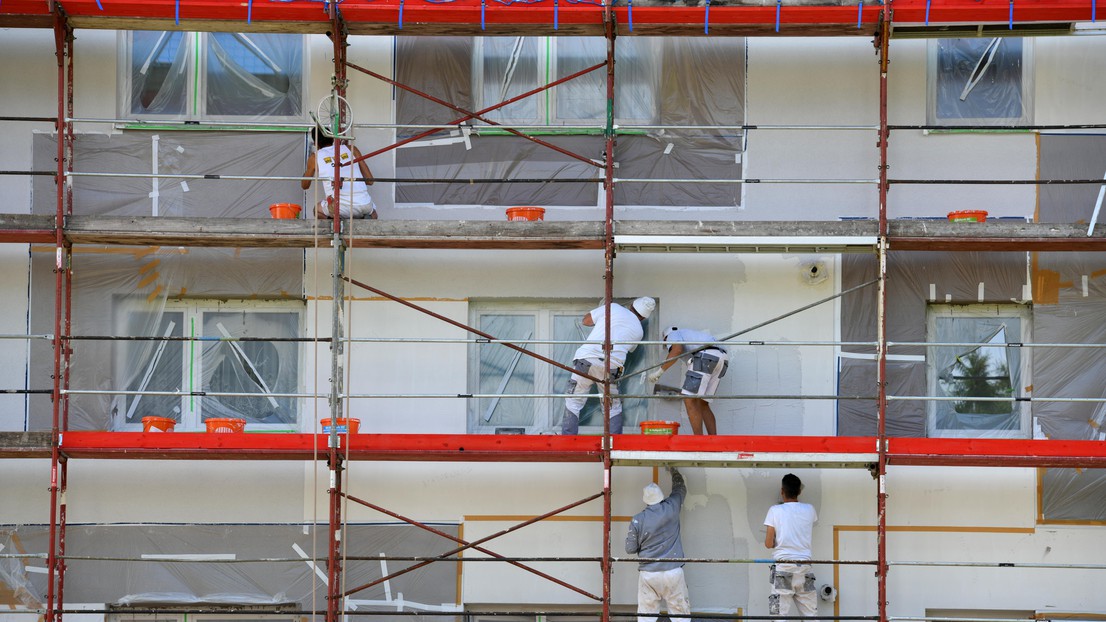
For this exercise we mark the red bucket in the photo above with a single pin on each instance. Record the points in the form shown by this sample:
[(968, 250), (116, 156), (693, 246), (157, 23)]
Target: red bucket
[(525, 213), (969, 215), (158, 424), (345, 426), (224, 426), (285, 211), (660, 427)]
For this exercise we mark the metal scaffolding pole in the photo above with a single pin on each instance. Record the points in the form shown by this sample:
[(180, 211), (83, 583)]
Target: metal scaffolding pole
[(608, 298), (881, 321), (335, 598)]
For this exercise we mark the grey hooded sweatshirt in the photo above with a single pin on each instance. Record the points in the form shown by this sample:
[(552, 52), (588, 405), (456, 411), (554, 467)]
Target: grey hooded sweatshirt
[(655, 531)]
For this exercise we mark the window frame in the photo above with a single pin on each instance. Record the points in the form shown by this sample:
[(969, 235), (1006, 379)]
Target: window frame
[(548, 411), (1026, 87), (1021, 312), (196, 88), (191, 413)]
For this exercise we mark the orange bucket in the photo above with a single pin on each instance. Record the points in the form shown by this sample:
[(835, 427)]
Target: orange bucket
[(285, 210), (660, 427), (226, 425), (525, 213), (157, 424), (345, 426), (968, 216)]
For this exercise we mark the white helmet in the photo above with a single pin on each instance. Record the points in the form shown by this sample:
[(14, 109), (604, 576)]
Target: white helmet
[(644, 306)]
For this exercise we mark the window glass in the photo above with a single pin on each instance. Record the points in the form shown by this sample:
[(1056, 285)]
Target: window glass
[(159, 65), (201, 75), (153, 366), (250, 366), (977, 362), (979, 81), (505, 370), (509, 67)]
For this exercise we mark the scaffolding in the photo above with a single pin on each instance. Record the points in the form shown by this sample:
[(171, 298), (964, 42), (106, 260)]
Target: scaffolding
[(339, 20)]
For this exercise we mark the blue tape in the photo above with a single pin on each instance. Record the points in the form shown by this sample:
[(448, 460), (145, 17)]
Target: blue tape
[(706, 19), (99, 6), (556, 6), (249, 11), (927, 12), (176, 16), (1094, 7), (483, 5), (1011, 14), (630, 13), (401, 14), (779, 3), (859, 13)]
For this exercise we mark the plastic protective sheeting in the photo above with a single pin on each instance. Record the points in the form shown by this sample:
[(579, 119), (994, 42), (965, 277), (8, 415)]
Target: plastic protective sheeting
[(210, 567), (158, 293), (253, 76), (663, 82), (148, 153), (980, 81)]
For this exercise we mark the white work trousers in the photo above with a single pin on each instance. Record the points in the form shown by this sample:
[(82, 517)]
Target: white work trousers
[(662, 585), (580, 387), (793, 590)]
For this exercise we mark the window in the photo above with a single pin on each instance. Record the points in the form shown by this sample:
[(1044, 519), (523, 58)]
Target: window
[(982, 359), (210, 76), (495, 369), (506, 67), (980, 81), (210, 364)]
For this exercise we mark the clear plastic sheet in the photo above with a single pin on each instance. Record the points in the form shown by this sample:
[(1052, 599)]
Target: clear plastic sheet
[(243, 75), (231, 581), (660, 82), (980, 81)]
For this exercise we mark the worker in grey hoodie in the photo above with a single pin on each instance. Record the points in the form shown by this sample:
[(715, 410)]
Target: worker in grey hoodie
[(655, 533)]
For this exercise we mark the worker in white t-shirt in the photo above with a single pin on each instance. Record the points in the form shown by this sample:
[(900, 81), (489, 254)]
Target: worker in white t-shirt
[(355, 200), (790, 531), (707, 362), (626, 328)]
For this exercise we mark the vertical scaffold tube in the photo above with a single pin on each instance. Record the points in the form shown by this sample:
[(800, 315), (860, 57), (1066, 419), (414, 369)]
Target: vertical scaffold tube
[(608, 297), (881, 347)]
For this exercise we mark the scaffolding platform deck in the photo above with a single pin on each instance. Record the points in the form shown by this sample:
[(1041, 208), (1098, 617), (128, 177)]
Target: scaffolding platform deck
[(474, 17), (626, 450), (630, 235)]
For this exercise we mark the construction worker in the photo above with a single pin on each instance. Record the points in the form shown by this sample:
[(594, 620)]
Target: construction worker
[(655, 533), (790, 530), (626, 328), (355, 200), (706, 364)]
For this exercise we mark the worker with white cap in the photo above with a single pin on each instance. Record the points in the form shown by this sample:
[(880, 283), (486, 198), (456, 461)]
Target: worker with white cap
[(706, 364), (655, 534), (626, 330)]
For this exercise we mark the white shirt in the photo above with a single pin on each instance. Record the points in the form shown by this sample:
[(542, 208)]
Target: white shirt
[(625, 326), (355, 193), (794, 525)]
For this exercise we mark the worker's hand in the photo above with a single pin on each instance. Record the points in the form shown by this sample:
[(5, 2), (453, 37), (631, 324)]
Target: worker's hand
[(654, 376), (672, 471)]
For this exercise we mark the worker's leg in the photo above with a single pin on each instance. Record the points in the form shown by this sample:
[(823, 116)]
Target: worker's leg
[(781, 598), (707, 416), (580, 387), (806, 595), (648, 597), (691, 405), (616, 402), (321, 209), (675, 595)]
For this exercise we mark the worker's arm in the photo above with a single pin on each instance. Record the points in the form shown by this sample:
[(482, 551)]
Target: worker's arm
[(633, 542), (674, 354), (366, 174), (309, 171), (770, 537), (587, 321)]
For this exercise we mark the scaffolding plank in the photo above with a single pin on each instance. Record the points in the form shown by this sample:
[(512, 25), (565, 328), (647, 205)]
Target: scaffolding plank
[(744, 451), (25, 445), (996, 452)]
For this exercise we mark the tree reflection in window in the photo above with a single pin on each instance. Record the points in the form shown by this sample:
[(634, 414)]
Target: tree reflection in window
[(983, 371)]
